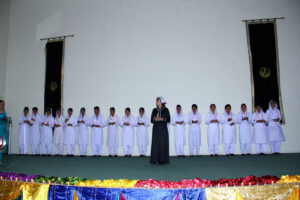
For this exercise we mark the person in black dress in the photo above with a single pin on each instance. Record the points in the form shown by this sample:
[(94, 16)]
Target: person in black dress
[(160, 117)]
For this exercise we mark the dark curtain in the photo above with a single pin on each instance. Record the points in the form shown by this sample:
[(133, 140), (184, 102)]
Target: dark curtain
[(264, 63), (54, 56)]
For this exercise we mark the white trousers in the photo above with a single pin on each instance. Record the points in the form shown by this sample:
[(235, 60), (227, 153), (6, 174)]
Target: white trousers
[(82, 149), (23, 148), (194, 147), (70, 149), (128, 149), (179, 150), (113, 150), (229, 148), (59, 149), (213, 149), (260, 148), (46, 148), (35, 149), (275, 146), (97, 149), (142, 149), (245, 148)]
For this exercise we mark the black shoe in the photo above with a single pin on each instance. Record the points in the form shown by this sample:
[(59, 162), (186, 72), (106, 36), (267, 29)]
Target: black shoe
[(231, 154), (243, 154), (116, 156), (130, 155), (191, 156), (110, 156), (99, 156), (141, 156), (248, 154), (94, 156)]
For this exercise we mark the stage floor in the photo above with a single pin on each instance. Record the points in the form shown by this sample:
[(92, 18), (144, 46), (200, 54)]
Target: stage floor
[(140, 168)]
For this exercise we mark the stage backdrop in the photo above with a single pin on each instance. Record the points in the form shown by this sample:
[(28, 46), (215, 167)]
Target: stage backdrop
[(125, 53)]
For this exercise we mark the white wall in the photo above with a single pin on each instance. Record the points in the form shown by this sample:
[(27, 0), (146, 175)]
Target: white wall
[(125, 53), (4, 21)]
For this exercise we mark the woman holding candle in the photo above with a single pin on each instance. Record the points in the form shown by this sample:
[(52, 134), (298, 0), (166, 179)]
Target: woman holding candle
[(97, 123), (113, 122), (83, 132), (260, 135), (35, 133), (142, 132), (70, 132), (213, 135), (194, 120), (128, 123), (58, 139), (275, 133), (229, 121), (178, 121), (24, 123), (47, 132), (244, 119), (160, 117)]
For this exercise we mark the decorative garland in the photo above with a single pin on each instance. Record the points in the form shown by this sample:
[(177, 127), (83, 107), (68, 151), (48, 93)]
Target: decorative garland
[(150, 183)]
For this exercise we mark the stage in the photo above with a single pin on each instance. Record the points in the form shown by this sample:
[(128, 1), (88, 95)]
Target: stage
[(204, 167)]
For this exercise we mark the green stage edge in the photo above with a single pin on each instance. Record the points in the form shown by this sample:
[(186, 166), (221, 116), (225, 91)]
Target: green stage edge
[(204, 167)]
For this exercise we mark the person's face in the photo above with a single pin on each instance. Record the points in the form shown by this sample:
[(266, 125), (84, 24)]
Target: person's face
[(48, 113), (212, 109), (194, 109), (82, 112), (96, 112), (258, 108), (141, 112), (34, 112), (158, 103), (127, 113), (58, 113), (70, 112), (273, 105), (244, 108), (2, 105), (25, 112), (178, 110), (112, 112), (228, 109)]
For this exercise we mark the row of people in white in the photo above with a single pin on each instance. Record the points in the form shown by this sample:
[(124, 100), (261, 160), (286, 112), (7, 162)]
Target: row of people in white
[(262, 134), (65, 131)]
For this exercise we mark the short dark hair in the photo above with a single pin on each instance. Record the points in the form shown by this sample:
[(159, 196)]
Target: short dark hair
[(48, 110), (112, 109), (243, 104), (70, 109), (2, 101), (227, 105), (141, 109), (35, 109), (26, 108), (194, 105), (127, 109), (96, 108), (212, 105), (81, 109)]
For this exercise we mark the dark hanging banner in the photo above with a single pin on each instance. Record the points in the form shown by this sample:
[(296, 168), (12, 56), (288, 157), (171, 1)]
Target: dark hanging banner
[(262, 43), (53, 85)]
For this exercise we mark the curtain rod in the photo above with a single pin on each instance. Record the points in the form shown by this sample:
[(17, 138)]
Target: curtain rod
[(58, 37), (260, 20)]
